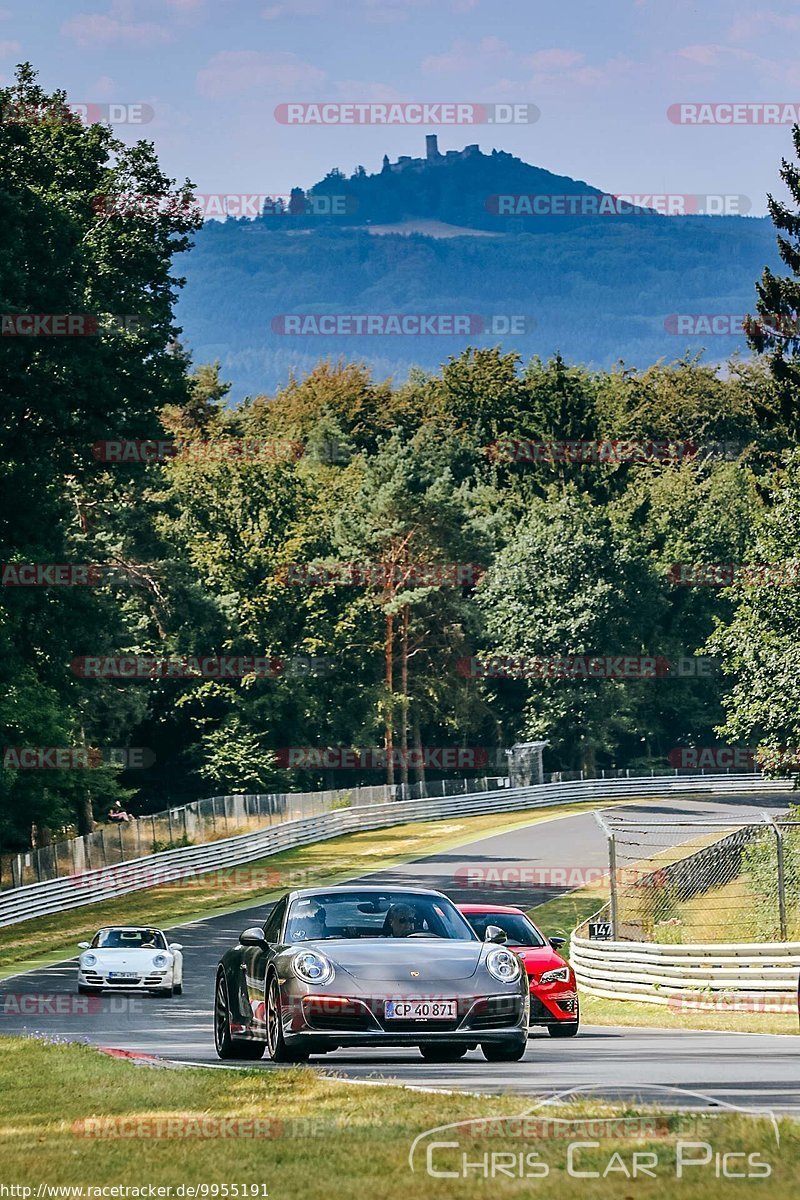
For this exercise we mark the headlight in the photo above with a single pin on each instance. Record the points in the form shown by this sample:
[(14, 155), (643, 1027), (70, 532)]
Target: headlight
[(88, 960), (160, 960), (313, 967), (503, 965), (560, 975)]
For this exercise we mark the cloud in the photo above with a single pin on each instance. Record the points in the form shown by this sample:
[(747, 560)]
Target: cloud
[(704, 56), (7, 48), (103, 88), (468, 57), (555, 60), (747, 27), (299, 8), (378, 12), (100, 29), (234, 71)]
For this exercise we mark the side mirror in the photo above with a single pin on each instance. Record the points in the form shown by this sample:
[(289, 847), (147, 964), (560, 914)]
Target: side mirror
[(495, 934), (557, 942), (84, 945), (176, 945), (254, 936)]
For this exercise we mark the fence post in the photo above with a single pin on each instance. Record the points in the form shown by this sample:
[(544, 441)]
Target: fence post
[(612, 871), (781, 874), (121, 843), (169, 826)]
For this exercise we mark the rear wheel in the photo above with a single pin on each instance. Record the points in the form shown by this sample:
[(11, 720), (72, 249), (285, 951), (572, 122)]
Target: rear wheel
[(277, 1049), (442, 1051), (225, 1045), (505, 1051)]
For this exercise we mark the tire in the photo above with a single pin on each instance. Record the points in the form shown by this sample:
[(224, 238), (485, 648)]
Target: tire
[(226, 1047), (178, 989), (567, 1029), (505, 1051), (164, 993), (442, 1051), (277, 1050)]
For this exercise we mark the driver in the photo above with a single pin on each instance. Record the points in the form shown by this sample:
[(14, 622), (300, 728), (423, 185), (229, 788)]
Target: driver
[(399, 921)]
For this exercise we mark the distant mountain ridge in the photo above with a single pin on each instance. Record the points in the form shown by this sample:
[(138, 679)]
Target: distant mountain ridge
[(494, 192), (597, 288)]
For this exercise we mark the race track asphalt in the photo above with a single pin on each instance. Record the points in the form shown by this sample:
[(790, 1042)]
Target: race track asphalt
[(753, 1070)]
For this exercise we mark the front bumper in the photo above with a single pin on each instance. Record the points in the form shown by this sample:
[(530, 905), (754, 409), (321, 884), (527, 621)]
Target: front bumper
[(153, 981), (553, 1004), (360, 1021)]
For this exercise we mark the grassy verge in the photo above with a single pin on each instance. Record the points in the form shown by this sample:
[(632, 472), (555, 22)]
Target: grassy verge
[(43, 939), (597, 1011), (298, 1136)]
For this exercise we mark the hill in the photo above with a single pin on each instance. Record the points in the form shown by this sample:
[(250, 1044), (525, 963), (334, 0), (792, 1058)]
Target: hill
[(598, 286)]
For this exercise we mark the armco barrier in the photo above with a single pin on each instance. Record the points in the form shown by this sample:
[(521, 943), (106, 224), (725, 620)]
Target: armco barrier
[(691, 976), (57, 895)]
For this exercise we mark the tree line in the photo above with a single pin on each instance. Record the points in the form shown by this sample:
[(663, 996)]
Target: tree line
[(496, 550)]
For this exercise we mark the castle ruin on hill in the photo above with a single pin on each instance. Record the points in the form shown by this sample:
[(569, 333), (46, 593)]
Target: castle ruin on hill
[(432, 157)]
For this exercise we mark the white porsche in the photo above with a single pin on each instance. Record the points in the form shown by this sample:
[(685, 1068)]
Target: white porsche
[(130, 958)]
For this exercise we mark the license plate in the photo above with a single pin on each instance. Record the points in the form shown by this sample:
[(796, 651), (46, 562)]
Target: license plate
[(123, 975), (421, 1010)]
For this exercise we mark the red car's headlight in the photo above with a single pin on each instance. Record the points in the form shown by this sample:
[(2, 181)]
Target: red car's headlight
[(559, 975)]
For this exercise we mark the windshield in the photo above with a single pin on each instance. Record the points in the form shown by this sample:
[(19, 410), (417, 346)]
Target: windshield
[(364, 914), (519, 929), (129, 939)]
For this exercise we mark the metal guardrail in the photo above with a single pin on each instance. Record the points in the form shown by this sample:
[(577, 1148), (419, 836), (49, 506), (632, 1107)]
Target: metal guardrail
[(690, 976), (57, 895)]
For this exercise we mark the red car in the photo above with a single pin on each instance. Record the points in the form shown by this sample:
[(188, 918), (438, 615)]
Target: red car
[(554, 993)]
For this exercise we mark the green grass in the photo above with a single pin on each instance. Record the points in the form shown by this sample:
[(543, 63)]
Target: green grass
[(48, 939), (597, 1011), (316, 1139)]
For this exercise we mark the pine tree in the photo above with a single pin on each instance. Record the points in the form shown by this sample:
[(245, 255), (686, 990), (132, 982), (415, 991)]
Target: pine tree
[(776, 332)]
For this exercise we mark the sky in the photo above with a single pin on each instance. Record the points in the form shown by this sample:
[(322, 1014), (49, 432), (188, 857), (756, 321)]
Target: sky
[(602, 77)]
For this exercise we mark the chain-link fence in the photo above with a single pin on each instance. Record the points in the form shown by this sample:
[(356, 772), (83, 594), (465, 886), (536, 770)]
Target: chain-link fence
[(699, 881)]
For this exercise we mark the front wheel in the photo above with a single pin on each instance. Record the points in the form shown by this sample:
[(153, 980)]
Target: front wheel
[(504, 1051), (568, 1029), (277, 1049), (226, 1047), (442, 1051)]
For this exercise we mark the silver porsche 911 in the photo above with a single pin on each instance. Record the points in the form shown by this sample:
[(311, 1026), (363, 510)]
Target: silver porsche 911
[(364, 965)]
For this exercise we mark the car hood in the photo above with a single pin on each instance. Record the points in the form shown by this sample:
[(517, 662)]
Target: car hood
[(393, 959), (539, 959), (127, 960)]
